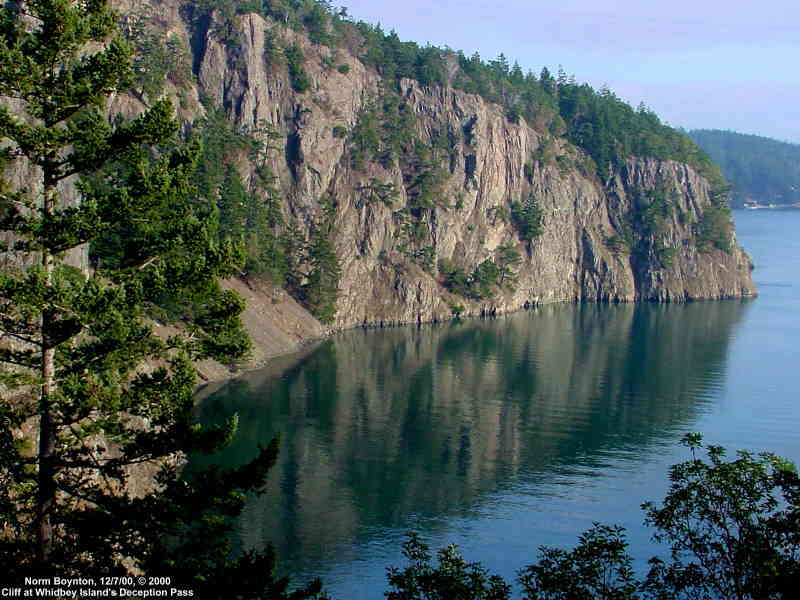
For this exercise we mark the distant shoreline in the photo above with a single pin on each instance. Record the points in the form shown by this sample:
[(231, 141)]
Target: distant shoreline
[(769, 206)]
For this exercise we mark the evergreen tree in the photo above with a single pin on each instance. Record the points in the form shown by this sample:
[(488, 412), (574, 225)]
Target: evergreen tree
[(507, 258), (547, 81), (322, 289), (73, 345), (233, 204), (517, 76), (528, 218), (266, 251), (295, 246)]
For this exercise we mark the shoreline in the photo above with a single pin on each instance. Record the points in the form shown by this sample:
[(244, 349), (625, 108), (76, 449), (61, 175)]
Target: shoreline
[(214, 375)]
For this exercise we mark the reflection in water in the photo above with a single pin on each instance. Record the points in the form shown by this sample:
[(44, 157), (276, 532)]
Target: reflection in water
[(378, 426)]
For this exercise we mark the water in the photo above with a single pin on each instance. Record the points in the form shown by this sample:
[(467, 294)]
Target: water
[(504, 435)]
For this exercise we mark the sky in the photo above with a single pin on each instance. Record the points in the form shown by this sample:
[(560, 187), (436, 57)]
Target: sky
[(714, 64)]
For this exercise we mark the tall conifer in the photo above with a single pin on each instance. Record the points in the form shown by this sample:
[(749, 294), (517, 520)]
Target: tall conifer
[(83, 372)]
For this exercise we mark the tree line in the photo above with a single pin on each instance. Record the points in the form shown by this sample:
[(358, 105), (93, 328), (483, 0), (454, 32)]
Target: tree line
[(761, 170), (605, 127)]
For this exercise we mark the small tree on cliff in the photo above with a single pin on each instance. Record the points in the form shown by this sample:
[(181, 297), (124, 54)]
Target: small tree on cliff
[(322, 289), (81, 364)]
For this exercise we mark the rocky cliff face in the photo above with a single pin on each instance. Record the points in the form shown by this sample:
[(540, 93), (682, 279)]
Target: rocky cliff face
[(487, 165), (391, 250)]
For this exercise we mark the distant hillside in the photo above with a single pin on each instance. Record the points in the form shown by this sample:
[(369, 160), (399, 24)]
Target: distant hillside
[(760, 169)]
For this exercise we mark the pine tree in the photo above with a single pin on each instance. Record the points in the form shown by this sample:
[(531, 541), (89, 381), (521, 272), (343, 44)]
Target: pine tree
[(507, 259), (81, 364), (266, 252), (233, 204), (528, 219), (547, 81), (322, 289)]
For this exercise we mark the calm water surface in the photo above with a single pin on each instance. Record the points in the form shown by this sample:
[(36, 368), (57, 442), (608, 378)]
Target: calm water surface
[(503, 435)]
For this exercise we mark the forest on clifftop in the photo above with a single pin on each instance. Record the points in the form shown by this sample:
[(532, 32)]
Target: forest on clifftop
[(760, 170)]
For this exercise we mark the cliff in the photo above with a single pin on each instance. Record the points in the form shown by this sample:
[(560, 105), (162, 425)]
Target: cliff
[(413, 224), (487, 165)]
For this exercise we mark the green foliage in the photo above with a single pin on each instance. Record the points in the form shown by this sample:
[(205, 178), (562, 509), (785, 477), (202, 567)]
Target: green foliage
[(508, 257), (250, 215), (454, 278), (499, 213), (484, 279), (644, 232), (732, 528), (247, 215), (480, 284), (383, 132), (395, 59), (273, 50), (376, 191), (527, 170), (760, 169), (622, 242), (264, 221), (88, 368), (528, 218), (715, 229), (564, 163), (424, 180), (666, 256), (156, 58), (513, 113), (601, 124), (297, 73), (425, 191), (365, 138), (654, 209), (606, 128), (457, 310), (295, 248), (343, 69), (598, 567), (413, 235), (329, 61), (316, 23), (451, 579), (224, 24), (218, 141), (232, 204), (322, 288)]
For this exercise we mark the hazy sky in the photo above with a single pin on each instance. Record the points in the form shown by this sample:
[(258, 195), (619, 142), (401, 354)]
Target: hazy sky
[(724, 64)]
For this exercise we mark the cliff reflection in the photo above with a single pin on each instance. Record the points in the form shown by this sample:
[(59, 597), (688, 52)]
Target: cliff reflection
[(380, 425)]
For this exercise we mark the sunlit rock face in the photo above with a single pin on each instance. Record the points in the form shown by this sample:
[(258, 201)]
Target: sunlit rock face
[(390, 256), (485, 171)]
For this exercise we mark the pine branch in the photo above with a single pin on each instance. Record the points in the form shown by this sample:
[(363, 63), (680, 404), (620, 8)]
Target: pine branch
[(20, 338)]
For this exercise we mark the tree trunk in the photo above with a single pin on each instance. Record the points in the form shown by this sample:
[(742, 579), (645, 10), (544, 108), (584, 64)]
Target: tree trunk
[(47, 447), (45, 501)]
